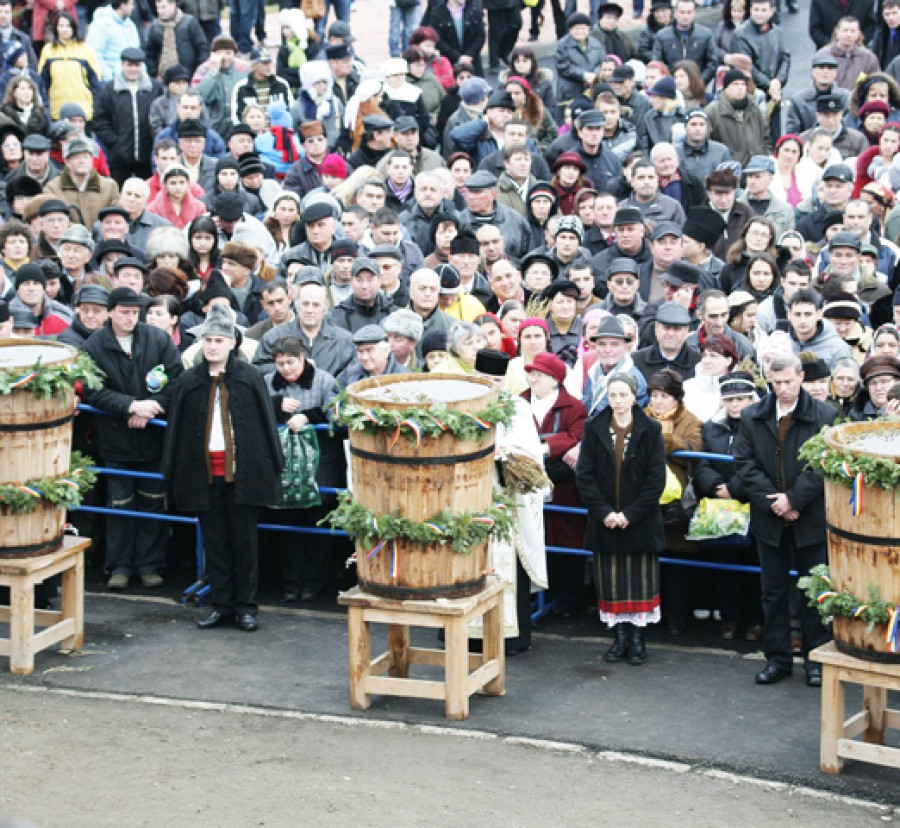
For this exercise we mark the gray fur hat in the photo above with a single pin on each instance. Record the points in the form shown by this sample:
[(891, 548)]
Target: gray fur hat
[(405, 323), (219, 322), (166, 240)]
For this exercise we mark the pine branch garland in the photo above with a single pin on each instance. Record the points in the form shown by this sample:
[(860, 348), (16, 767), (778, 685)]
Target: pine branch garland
[(49, 380), (818, 588), (843, 466), (63, 492), (463, 530)]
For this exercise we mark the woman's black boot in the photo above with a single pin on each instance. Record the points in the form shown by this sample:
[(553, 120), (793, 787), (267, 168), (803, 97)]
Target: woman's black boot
[(619, 648), (637, 649)]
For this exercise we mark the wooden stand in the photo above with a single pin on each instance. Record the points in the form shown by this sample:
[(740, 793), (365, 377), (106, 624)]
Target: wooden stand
[(454, 617), (839, 734), (65, 626)]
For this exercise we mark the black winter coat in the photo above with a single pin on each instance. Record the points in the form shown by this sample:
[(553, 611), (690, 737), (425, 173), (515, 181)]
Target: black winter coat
[(641, 482), (126, 381), (758, 461), (718, 438), (257, 450), (114, 122), (824, 16), (473, 34), (699, 46), (190, 43)]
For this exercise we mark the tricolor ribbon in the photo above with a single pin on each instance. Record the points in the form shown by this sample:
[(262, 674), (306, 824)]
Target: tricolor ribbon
[(70, 483), (484, 426), (434, 527), (395, 561), (29, 491), (375, 550), (893, 629), (487, 521), (415, 428), (856, 496), (24, 380), (370, 416), (824, 596), (860, 610), (438, 423)]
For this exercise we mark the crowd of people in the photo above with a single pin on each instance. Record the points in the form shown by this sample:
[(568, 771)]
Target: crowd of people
[(649, 244)]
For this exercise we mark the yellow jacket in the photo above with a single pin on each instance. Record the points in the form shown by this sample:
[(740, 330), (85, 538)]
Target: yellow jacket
[(71, 73)]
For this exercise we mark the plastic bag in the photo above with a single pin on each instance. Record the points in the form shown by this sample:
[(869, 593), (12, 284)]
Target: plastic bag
[(717, 518), (672, 490), (299, 489)]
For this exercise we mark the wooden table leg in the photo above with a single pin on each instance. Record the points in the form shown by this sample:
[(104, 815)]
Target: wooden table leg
[(21, 625), (360, 650), (493, 647), (398, 644), (456, 668), (832, 720), (72, 602), (875, 702)]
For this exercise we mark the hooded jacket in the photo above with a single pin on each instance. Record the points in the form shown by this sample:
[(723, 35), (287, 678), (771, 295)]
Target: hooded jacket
[(109, 35)]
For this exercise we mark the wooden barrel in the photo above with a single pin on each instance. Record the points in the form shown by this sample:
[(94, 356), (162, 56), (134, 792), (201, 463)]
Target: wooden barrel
[(35, 443), (419, 481), (863, 550)]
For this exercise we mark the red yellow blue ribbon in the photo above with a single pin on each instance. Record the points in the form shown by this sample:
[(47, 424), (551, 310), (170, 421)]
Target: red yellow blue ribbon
[(824, 596), (438, 423), (24, 380), (375, 550), (893, 629), (484, 426), (395, 561), (856, 495), (29, 491)]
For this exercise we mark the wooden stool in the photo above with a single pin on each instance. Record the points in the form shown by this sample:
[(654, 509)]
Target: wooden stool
[(451, 615), (839, 734), (65, 626)]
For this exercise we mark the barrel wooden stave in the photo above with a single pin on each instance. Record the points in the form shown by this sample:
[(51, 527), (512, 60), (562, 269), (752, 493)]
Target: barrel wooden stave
[(417, 482), (863, 550)]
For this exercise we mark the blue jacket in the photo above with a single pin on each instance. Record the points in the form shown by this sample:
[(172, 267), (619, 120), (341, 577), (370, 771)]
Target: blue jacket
[(108, 35)]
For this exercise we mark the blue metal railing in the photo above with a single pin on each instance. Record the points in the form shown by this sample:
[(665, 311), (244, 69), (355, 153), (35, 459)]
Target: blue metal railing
[(199, 590)]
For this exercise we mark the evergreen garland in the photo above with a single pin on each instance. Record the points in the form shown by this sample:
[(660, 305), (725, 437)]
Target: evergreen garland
[(49, 380), (63, 492), (434, 420), (463, 530), (818, 588), (842, 466)]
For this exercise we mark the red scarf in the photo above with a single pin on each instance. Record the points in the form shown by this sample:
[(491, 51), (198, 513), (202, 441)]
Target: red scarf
[(284, 143)]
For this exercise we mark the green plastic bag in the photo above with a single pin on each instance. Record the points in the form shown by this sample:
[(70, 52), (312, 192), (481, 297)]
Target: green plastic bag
[(299, 489), (717, 518)]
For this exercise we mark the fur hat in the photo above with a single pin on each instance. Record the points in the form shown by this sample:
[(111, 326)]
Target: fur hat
[(166, 240), (219, 322), (404, 323), (242, 253)]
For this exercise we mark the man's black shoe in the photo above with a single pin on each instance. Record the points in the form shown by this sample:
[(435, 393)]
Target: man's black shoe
[(814, 675), (247, 622), (214, 619), (772, 674)]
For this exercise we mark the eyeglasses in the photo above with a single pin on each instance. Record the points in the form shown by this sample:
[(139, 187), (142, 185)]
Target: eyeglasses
[(623, 282)]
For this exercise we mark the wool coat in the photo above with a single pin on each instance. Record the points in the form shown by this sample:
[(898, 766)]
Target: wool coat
[(641, 482), (258, 460)]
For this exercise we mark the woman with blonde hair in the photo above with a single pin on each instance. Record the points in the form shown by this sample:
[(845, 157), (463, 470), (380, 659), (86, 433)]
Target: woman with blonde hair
[(347, 191)]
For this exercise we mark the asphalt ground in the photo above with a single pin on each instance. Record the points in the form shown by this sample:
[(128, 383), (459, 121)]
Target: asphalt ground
[(691, 704)]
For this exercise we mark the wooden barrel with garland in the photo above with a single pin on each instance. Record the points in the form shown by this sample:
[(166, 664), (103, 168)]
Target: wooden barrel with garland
[(399, 477), (35, 444), (864, 549)]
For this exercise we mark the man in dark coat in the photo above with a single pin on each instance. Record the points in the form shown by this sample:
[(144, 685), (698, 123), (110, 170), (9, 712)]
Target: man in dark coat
[(825, 14), (121, 111), (367, 305), (223, 460), (191, 45), (787, 509), (671, 328), (473, 35), (140, 363), (687, 40)]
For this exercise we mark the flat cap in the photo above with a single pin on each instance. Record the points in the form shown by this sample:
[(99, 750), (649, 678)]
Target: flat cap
[(37, 143), (623, 265), (385, 251), (666, 228), (133, 55), (591, 118), (838, 172), (316, 212), (481, 180), (123, 296), (92, 295), (365, 263), (760, 163), (671, 313), (844, 238), (375, 123), (370, 334)]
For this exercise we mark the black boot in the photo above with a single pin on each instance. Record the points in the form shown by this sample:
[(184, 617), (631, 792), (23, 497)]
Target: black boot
[(637, 649), (619, 648)]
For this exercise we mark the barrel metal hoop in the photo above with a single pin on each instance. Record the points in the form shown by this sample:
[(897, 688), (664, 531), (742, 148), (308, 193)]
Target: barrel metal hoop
[(459, 589), (450, 460), (8, 428), (857, 538), (31, 550)]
